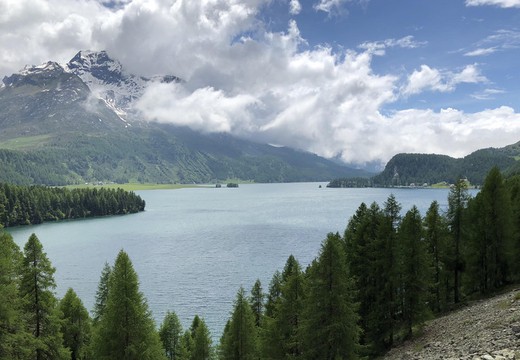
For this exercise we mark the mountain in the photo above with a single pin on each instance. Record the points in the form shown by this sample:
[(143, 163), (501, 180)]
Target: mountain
[(405, 169), (75, 122)]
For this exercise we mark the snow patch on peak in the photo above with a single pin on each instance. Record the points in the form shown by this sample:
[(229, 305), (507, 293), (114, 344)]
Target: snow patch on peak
[(45, 67), (108, 80)]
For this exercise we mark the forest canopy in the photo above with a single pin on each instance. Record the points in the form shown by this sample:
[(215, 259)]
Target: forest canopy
[(26, 205)]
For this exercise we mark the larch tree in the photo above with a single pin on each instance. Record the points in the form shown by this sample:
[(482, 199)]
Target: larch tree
[(170, 334), (40, 303), (257, 302), (413, 263), (202, 343), (240, 342), (491, 247), (15, 340), (457, 223), (435, 234), (330, 329), (126, 329), (102, 293), (75, 326)]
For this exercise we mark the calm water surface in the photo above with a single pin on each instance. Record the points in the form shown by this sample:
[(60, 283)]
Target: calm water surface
[(193, 248)]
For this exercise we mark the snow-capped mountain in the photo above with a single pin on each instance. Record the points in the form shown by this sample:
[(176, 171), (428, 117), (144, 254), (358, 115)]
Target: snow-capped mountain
[(108, 80)]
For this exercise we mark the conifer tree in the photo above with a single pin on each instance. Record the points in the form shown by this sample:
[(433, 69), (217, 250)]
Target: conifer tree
[(39, 302), (75, 326), (240, 340), (201, 342), (126, 329), (102, 293), (289, 310), (490, 254), (187, 345), (15, 341), (274, 294), (282, 333), (414, 269), (330, 328), (457, 205), (170, 333), (435, 236), (388, 232), (257, 302), (513, 188)]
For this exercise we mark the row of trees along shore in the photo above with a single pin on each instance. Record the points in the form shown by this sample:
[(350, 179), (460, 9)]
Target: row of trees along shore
[(367, 290), (25, 205)]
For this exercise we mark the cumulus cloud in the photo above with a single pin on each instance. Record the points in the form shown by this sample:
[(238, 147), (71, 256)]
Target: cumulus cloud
[(294, 7), (431, 79), (500, 3), (246, 80)]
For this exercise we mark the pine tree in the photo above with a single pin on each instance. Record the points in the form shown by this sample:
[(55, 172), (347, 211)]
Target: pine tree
[(187, 345), (75, 325), (240, 340), (273, 295), (413, 262), (457, 205), (102, 293), (15, 341), (490, 254), (170, 334), (513, 189), (282, 333), (40, 303), (330, 328), (289, 310), (201, 342), (257, 302), (435, 236), (126, 329)]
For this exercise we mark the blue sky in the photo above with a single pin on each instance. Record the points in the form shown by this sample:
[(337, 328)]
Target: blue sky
[(359, 80)]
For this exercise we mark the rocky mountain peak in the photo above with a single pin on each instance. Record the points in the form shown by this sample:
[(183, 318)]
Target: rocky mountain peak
[(108, 80), (34, 75)]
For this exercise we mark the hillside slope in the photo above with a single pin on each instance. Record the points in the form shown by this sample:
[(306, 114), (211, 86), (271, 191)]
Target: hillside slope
[(405, 169), (486, 329)]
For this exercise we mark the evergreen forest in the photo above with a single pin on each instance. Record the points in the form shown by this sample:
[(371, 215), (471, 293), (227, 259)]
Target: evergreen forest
[(26, 205), (368, 289)]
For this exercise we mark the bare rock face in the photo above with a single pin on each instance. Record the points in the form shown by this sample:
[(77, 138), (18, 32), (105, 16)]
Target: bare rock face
[(485, 330)]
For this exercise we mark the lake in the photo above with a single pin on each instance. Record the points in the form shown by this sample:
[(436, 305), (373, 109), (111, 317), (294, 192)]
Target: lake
[(193, 248)]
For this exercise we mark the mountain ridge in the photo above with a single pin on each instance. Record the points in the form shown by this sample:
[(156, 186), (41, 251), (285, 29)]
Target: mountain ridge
[(56, 130)]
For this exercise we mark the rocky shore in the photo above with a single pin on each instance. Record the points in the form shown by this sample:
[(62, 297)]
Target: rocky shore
[(484, 330)]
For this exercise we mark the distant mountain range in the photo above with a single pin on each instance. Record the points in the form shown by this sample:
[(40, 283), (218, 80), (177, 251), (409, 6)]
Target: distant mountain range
[(75, 122)]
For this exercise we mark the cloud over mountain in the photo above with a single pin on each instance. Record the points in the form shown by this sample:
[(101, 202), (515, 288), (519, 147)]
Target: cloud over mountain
[(245, 78)]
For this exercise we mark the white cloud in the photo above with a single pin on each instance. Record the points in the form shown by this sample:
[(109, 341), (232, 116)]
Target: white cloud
[(431, 79), (331, 7), (378, 47), (500, 3), (205, 109), (262, 85), (500, 40), (294, 7), (481, 51), (487, 94)]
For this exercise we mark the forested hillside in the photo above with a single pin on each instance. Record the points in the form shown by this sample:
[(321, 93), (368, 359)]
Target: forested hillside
[(367, 290), (25, 205), (405, 169)]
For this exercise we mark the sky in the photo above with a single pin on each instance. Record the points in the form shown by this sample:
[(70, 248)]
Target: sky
[(356, 80)]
